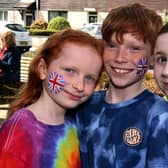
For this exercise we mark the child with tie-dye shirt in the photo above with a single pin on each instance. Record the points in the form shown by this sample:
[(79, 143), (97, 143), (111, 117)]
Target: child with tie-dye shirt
[(62, 75)]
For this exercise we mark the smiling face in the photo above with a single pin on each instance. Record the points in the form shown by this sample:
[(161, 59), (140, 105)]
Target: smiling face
[(79, 68), (161, 62), (126, 62)]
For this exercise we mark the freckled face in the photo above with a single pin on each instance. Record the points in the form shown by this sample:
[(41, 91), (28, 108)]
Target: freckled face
[(80, 67), (121, 60), (161, 62)]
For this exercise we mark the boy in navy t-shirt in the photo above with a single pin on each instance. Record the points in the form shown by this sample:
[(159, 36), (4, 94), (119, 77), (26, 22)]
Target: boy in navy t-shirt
[(125, 126)]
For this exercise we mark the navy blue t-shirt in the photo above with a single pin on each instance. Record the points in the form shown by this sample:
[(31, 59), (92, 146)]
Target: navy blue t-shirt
[(131, 134)]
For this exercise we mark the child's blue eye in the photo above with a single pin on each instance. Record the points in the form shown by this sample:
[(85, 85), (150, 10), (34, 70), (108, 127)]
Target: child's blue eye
[(161, 59), (90, 78), (70, 70), (135, 49), (111, 45)]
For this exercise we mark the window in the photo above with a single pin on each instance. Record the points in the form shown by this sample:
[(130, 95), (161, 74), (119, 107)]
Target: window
[(92, 17), (16, 27), (3, 15), (29, 19), (53, 14)]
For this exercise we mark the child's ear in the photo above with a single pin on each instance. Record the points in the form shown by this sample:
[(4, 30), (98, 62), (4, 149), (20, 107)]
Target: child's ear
[(42, 68)]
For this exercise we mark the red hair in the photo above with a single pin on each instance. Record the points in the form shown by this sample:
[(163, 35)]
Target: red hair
[(51, 49), (144, 23)]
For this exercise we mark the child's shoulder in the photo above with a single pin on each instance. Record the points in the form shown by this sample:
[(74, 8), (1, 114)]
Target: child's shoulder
[(158, 106), (14, 128), (158, 100), (21, 120), (97, 97), (95, 102)]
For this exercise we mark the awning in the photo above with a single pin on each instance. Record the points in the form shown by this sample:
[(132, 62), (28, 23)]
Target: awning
[(7, 4), (24, 3)]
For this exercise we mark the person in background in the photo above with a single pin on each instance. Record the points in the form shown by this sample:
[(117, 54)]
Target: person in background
[(10, 57), (125, 126), (62, 75), (161, 60)]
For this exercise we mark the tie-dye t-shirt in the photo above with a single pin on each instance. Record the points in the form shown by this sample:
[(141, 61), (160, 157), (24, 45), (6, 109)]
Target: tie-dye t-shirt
[(26, 142), (131, 134)]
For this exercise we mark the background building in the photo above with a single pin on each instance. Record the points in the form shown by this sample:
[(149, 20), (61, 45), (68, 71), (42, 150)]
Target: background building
[(78, 12)]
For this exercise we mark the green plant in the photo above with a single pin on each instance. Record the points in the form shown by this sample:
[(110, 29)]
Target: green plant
[(148, 76), (39, 32), (103, 81), (151, 85), (30, 54), (39, 24), (58, 23)]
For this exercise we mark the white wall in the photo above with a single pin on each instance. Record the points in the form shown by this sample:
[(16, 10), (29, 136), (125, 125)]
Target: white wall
[(14, 16), (43, 15), (37, 41), (76, 19), (101, 16)]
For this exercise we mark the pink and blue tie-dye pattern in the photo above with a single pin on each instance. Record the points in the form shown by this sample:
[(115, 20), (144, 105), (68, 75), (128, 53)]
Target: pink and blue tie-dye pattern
[(26, 142)]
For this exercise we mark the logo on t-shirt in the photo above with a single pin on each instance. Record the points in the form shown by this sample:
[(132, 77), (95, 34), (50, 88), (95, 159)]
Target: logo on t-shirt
[(132, 136)]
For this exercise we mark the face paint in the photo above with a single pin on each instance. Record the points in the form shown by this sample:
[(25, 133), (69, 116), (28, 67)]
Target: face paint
[(142, 67), (56, 82)]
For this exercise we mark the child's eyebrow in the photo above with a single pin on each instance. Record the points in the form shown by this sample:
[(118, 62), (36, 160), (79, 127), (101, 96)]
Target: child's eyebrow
[(159, 53)]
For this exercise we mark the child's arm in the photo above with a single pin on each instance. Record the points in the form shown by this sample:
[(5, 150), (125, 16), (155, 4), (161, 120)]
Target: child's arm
[(157, 153)]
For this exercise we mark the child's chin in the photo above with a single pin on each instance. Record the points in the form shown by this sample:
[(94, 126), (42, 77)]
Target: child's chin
[(72, 105)]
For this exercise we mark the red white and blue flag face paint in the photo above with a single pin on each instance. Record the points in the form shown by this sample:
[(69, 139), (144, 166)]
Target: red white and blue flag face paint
[(142, 67), (56, 82)]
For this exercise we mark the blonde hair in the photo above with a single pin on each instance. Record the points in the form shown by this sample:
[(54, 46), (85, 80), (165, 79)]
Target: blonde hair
[(8, 38)]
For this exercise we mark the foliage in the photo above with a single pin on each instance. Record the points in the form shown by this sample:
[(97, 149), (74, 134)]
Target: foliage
[(165, 19), (149, 75), (42, 32), (27, 27), (152, 86), (103, 81), (58, 23), (30, 54), (39, 24), (42, 28)]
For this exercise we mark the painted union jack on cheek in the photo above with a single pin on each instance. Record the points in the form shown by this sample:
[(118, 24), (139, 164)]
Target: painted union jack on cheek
[(56, 82), (142, 67)]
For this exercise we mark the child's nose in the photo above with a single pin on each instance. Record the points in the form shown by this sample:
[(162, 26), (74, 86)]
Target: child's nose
[(121, 55), (79, 85)]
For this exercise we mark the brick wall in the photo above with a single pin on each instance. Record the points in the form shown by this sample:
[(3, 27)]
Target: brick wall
[(74, 5), (156, 4), (99, 5)]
